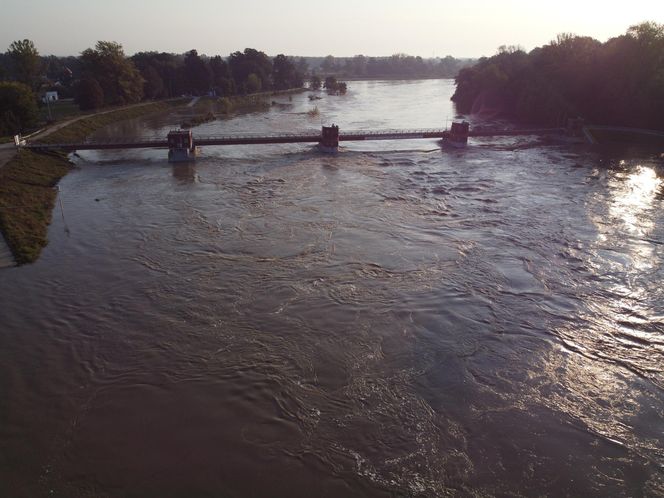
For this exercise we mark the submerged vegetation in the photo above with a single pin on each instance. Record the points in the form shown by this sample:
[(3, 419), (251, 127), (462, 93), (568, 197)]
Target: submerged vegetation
[(335, 87), (198, 120), (620, 82), (241, 103)]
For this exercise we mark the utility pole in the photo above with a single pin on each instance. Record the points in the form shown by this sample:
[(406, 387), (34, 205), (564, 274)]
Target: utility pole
[(48, 106)]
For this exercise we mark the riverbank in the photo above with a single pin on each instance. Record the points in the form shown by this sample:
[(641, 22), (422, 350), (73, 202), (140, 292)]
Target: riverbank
[(623, 135), (27, 198), (79, 129), (209, 109), (28, 179)]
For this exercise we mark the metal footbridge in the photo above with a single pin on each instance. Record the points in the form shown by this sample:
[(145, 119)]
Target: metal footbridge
[(328, 137)]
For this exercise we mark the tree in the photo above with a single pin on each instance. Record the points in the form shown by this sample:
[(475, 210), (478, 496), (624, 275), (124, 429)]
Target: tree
[(329, 65), (221, 77), (251, 61), (89, 94), (315, 82), (357, 65), (620, 82), (153, 88), (284, 73), (167, 66), (302, 67), (253, 83), (197, 73), (335, 87), (25, 62), (18, 108), (118, 77), (330, 84)]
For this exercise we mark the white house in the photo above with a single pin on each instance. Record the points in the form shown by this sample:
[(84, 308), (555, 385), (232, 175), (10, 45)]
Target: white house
[(50, 97)]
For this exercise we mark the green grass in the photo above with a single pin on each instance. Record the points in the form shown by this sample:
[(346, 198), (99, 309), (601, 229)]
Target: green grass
[(79, 130), (62, 109), (27, 198)]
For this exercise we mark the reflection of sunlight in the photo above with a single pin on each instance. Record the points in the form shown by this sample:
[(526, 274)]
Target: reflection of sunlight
[(612, 339), (634, 195)]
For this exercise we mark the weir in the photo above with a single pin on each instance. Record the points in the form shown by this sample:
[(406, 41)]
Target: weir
[(183, 146)]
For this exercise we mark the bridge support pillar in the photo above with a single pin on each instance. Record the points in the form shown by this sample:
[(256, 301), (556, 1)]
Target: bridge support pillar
[(458, 136), (329, 139), (181, 146)]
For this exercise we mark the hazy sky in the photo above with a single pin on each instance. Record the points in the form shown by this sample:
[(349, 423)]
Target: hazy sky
[(315, 27)]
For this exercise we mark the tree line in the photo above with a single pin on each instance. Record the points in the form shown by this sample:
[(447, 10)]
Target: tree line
[(619, 82), (105, 76), (395, 66)]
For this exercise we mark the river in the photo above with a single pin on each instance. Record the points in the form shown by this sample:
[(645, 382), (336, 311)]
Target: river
[(395, 320)]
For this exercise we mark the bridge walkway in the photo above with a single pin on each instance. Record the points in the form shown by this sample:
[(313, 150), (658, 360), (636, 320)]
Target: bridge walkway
[(282, 138)]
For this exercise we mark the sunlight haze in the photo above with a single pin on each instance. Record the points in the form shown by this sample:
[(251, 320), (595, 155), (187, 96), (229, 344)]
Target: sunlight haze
[(295, 27)]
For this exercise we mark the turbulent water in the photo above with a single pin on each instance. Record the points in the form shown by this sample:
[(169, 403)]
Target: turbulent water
[(395, 320)]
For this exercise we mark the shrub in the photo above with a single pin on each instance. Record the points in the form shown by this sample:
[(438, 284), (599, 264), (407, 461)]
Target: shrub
[(18, 108)]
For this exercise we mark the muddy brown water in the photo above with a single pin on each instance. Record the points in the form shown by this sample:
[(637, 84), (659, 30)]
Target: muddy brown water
[(395, 320)]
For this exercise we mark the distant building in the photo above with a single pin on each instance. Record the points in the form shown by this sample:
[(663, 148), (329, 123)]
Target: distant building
[(50, 97)]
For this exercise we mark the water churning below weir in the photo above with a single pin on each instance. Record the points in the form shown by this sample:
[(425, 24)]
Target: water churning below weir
[(395, 320)]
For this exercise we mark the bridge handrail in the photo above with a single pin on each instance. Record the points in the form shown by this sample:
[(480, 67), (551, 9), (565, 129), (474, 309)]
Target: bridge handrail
[(394, 131), (240, 136)]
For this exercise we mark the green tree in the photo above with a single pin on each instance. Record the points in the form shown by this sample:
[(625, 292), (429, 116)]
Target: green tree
[(251, 61), (18, 108), (89, 94), (221, 77), (253, 83), (118, 77), (328, 65), (330, 84), (153, 88), (285, 74), (620, 82), (302, 67), (167, 67), (26, 63), (197, 73)]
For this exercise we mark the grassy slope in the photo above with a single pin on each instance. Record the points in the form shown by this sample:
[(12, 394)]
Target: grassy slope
[(79, 130), (27, 198)]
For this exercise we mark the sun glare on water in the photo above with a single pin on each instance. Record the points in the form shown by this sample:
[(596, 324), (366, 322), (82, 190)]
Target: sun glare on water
[(635, 197)]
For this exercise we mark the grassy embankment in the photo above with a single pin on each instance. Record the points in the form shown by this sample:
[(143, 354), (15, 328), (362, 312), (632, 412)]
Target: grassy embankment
[(59, 110), (27, 193), (27, 198), (55, 112)]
